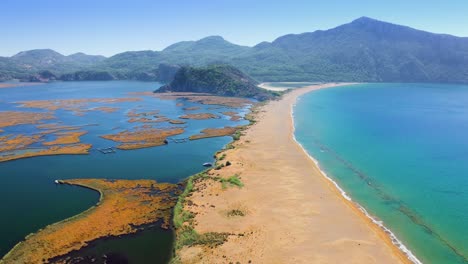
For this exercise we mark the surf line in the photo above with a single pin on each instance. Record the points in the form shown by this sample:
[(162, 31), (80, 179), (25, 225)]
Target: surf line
[(395, 241)]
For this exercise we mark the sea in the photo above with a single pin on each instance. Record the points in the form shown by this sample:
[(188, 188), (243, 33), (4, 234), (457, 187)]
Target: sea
[(401, 152), (30, 200)]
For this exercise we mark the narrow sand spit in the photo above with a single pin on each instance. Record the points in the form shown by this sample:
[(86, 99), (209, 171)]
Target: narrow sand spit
[(267, 86), (290, 213)]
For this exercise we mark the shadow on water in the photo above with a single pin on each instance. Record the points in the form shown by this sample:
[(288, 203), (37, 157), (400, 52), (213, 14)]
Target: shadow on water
[(152, 245)]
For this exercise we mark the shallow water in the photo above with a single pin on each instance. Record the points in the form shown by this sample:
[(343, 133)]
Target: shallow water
[(31, 200), (401, 151)]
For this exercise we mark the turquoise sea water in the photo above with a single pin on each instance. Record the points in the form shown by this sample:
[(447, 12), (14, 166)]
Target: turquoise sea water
[(29, 198), (400, 151)]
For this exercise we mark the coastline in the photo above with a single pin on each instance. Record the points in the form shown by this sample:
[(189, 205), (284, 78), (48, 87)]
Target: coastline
[(374, 223), (124, 207), (278, 88), (273, 228)]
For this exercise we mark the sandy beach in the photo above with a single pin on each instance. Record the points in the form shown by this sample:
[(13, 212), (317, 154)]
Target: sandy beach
[(271, 87), (287, 211)]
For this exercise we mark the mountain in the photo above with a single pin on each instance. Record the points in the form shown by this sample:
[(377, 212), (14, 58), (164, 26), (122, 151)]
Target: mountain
[(44, 58), (82, 58), (221, 80), (371, 50), (365, 50), (209, 50), (38, 58), (29, 64)]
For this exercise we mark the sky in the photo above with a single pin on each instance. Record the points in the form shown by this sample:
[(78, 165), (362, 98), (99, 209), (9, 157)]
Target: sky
[(107, 27)]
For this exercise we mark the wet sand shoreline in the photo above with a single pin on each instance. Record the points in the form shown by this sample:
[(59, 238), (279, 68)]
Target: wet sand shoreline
[(290, 211)]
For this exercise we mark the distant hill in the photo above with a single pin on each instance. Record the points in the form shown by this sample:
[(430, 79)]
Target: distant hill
[(27, 64), (365, 50), (221, 80), (368, 50), (47, 59), (205, 51), (82, 58)]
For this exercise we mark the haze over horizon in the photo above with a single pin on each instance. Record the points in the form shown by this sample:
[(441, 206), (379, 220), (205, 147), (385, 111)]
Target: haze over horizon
[(110, 27)]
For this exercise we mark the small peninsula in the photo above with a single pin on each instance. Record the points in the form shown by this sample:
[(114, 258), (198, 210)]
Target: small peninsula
[(222, 80), (125, 207)]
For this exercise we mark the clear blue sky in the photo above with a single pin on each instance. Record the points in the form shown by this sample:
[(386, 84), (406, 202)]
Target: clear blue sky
[(108, 27)]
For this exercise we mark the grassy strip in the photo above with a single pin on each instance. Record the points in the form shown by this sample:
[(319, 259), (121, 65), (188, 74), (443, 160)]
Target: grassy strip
[(181, 216), (183, 223), (186, 235)]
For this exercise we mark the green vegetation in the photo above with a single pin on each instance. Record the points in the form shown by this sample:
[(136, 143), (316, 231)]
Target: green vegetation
[(183, 222), (223, 80), (223, 156), (181, 216), (237, 135), (235, 212), (365, 50), (219, 166), (234, 180)]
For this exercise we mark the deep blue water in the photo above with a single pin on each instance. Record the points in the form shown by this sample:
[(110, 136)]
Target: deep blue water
[(31, 200), (401, 151)]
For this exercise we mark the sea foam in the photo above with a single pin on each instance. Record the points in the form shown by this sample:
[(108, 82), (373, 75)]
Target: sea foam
[(379, 223)]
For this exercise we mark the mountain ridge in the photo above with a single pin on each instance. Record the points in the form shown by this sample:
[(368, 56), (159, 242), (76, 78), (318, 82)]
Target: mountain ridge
[(363, 50)]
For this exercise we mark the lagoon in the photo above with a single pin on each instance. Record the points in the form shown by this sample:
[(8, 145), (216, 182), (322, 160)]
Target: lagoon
[(30, 198)]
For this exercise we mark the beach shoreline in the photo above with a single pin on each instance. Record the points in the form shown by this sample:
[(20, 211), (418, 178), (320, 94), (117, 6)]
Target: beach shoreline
[(387, 235), (330, 228)]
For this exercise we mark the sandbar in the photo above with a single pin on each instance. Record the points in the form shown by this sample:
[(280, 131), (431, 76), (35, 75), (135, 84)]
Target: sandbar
[(287, 211), (214, 132), (143, 137), (73, 149), (176, 122), (205, 98), (68, 137), (199, 116), (281, 86), (13, 118), (77, 106), (234, 116), (19, 141)]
